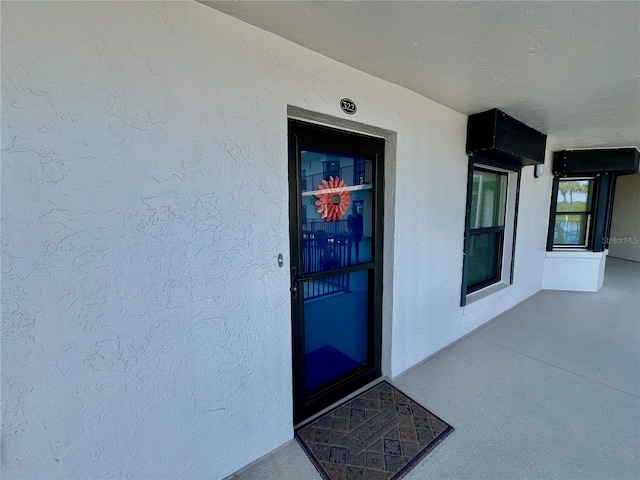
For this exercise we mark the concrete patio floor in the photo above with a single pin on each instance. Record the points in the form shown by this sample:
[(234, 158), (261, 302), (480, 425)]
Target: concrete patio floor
[(548, 390)]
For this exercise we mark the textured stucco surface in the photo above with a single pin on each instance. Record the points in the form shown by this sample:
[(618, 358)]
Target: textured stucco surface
[(145, 323), (569, 69), (578, 271), (144, 202)]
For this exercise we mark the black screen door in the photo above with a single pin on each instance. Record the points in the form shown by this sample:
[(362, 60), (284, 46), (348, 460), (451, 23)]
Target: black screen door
[(336, 263)]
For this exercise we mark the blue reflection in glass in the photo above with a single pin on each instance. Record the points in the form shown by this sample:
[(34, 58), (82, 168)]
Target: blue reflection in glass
[(336, 327), (337, 242)]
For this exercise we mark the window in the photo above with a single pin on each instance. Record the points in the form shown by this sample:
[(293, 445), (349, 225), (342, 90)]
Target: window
[(360, 176), (486, 236), (574, 212), (331, 168), (492, 193), (581, 208)]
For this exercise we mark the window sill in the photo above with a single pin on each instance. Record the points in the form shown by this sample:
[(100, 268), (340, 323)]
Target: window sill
[(486, 292), (575, 253)]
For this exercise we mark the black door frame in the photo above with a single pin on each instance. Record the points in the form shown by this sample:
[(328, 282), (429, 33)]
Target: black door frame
[(308, 135)]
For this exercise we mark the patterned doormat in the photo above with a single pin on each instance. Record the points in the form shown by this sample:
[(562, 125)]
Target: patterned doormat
[(379, 435)]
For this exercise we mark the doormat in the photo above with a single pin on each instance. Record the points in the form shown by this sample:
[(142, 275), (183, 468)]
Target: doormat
[(379, 435)]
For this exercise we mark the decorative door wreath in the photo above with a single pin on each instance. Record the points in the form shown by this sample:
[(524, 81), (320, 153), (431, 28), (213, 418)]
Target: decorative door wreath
[(333, 199)]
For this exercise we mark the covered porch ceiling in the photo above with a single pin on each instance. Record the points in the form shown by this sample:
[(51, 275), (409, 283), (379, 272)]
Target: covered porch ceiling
[(570, 69)]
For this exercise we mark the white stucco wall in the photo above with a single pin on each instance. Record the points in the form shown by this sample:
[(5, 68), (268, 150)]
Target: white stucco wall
[(577, 271), (427, 312), (145, 323), (624, 241)]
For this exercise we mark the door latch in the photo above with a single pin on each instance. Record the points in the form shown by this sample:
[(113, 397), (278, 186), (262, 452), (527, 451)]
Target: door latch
[(295, 281)]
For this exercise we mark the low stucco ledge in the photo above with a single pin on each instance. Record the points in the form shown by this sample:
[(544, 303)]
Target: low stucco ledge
[(577, 253), (574, 270)]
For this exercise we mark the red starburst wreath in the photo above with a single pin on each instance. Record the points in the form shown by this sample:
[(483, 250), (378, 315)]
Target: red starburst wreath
[(333, 199)]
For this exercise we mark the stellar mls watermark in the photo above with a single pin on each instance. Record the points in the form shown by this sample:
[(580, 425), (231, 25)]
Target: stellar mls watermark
[(621, 240)]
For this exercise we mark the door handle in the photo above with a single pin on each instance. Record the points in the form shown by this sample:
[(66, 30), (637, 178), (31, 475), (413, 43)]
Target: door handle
[(294, 282), (294, 285)]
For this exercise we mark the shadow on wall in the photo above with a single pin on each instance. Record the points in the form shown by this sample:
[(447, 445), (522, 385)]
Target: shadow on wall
[(624, 241)]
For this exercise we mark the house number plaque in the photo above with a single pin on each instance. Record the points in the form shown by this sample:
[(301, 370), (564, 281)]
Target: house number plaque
[(348, 106)]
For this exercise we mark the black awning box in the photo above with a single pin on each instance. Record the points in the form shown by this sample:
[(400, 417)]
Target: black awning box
[(494, 134), (621, 161)]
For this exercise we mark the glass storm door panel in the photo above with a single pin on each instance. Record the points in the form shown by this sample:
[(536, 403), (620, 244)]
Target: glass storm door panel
[(336, 248), (336, 329)]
